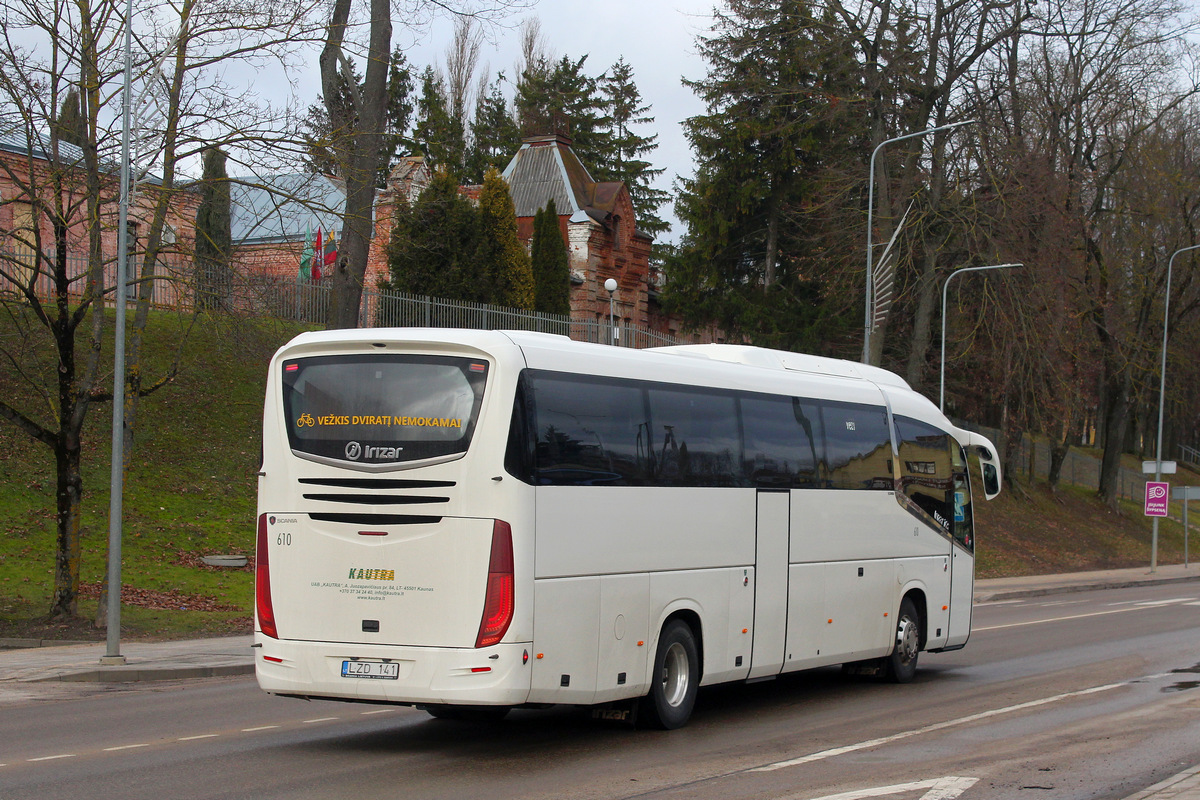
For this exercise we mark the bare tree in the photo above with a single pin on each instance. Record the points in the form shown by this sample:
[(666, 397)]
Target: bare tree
[(358, 126)]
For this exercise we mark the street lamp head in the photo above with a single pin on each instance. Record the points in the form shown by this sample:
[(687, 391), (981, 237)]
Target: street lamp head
[(610, 285)]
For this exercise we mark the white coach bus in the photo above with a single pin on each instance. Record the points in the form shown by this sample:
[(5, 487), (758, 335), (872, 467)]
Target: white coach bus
[(471, 521)]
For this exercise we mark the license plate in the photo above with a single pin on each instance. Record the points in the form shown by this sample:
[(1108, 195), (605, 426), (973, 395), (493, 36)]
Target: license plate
[(386, 670)]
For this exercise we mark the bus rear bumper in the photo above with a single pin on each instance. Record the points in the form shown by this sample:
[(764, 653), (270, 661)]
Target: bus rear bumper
[(498, 675)]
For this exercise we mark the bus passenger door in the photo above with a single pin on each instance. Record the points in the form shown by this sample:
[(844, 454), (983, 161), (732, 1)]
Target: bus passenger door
[(770, 583), (962, 587)]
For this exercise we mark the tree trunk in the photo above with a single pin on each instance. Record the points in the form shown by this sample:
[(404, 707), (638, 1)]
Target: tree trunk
[(1115, 424), (927, 297), (360, 152)]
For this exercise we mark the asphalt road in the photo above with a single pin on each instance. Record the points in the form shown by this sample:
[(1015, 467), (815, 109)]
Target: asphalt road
[(1088, 695)]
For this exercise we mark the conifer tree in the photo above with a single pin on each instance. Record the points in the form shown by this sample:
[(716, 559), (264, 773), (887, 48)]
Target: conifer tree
[(626, 162), (440, 137), (433, 244), (71, 126), (558, 97), (214, 240), (495, 136), (319, 136), (551, 270), (501, 259), (757, 256)]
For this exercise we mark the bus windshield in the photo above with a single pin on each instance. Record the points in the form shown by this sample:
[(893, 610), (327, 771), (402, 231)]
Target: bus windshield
[(379, 410)]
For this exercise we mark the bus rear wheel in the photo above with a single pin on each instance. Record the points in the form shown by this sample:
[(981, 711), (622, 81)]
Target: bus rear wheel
[(902, 663), (675, 679)]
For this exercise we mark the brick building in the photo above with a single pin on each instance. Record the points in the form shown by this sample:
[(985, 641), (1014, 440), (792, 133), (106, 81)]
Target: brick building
[(596, 218), (27, 175)]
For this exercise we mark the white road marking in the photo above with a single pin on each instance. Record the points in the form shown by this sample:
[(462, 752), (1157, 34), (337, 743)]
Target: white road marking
[(938, 726), (124, 747), (319, 719), (52, 758), (200, 736), (259, 728), (379, 711), (939, 789), (1065, 619)]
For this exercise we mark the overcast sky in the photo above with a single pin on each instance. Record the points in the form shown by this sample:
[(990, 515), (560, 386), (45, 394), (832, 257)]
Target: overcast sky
[(656, 38)]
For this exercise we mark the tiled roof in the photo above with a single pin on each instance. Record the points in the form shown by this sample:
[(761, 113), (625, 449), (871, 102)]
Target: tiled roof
[(282, 208), (546, 167)]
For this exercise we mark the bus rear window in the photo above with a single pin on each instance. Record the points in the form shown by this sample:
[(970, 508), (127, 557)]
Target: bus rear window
[(378, 410)]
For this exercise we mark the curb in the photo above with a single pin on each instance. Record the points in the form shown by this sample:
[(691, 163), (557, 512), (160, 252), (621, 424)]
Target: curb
[(27, 644), (1172, 787), (149, 673), (1017, 594)]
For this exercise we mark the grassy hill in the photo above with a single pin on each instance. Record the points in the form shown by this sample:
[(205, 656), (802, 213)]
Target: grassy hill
[(190, 493)]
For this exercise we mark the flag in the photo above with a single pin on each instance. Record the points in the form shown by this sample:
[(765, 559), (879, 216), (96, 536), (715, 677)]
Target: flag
[(318, 258), (306, 257), (331, 252)]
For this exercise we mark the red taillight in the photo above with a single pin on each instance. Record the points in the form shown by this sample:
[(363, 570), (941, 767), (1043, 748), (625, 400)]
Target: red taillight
[(262, 583), (498, 600)]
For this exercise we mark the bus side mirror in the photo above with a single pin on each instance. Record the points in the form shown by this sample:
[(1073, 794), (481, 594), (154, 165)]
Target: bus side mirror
[(991, 470), (991, 480)]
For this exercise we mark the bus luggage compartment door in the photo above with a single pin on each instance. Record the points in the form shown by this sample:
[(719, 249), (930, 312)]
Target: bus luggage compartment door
[(770, 583)]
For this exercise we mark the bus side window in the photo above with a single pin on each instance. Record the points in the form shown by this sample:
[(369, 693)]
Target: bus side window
[(926, 472), (519, 455), (589, 431), (781, 449), (858, 446), (695, 438)]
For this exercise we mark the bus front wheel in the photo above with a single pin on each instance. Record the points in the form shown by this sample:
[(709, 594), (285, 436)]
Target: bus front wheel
[(902, 663), (675, 679)]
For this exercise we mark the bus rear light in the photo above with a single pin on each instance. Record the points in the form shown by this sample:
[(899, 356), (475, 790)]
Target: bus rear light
[(481, 669), (262, 583), (372, 533), (499, 596), (273, 659)]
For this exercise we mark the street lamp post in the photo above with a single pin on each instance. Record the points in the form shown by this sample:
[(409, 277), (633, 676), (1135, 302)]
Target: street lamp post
[(945, 286), (611, 286), (869, 322), (112, 655), (1162, 391)]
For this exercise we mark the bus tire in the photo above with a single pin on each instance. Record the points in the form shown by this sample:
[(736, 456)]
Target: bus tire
[(467, 713), (902, 663), (675, 679)]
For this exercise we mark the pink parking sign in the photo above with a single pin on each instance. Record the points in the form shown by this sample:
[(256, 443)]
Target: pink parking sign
[(1156, 498)]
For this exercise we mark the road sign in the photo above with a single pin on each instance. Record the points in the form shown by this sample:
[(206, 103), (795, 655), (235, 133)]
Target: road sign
[(1156, 498), (1168, 467), (1185, 493)]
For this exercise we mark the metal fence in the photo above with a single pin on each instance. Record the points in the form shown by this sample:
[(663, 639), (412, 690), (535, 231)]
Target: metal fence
[(1032, 460), (381, 309), (178, 284)]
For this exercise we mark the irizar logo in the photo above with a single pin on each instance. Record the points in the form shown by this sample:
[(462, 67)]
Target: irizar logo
[(355, 451)]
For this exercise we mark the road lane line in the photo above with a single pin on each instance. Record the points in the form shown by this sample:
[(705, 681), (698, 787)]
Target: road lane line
[(938, 726), (1062, 619), (124, 747), (200, 736), (320, 719), (378, 711), (259, 728), (946, 788), (51, 758)]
